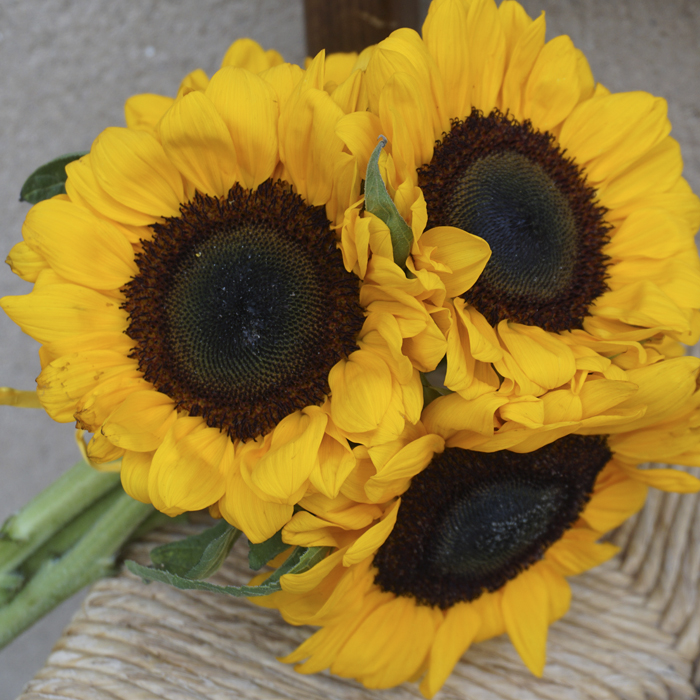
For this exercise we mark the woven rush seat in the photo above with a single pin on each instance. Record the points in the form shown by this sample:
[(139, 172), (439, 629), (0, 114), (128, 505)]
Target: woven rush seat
[(633, 632)]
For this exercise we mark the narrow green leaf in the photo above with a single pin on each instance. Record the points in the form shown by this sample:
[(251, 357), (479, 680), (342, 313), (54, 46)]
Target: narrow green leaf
[(260, 554), (379, 203), (300, 560), (48, 180), (198, 556)]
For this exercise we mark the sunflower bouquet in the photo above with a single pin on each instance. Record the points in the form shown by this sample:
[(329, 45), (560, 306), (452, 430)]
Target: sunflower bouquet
[(409, 320)]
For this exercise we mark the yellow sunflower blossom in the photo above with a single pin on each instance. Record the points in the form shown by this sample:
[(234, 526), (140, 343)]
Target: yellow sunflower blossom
[(195, 313), (435, 546), (496, 135)]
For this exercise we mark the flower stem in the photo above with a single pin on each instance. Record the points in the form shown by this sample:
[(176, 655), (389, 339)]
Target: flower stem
[(50, 511), (91, 558)]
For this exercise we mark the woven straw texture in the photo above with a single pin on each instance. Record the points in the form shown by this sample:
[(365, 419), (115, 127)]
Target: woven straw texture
[(633, 632)]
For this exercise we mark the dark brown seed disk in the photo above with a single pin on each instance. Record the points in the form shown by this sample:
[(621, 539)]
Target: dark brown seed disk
[(471, 521), (511, 185), (242, 306)]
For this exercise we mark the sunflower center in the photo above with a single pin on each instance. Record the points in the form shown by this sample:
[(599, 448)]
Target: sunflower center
[(241, 307), (511, 185), (481, 533), (472, 521)]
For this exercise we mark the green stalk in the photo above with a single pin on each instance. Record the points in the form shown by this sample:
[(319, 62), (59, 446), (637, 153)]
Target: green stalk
[(50, 511), (91, 558), (64, 539)]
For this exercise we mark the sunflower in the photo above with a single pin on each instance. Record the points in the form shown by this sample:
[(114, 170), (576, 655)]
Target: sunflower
[(577, 191), (435, 547), (195, 312)]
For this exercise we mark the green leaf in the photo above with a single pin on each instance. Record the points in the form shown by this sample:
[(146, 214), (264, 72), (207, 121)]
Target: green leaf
[(379, 203), (260, 554), (198, 556), (300, 560), (48, 180)]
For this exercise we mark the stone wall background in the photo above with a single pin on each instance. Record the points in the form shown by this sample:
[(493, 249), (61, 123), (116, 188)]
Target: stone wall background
[(69, 65)]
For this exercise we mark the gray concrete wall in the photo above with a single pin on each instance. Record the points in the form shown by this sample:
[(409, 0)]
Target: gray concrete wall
[(68, 66)]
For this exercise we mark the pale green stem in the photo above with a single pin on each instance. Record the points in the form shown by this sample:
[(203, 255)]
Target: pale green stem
[(50, 511), (64, 539), (90, 559)]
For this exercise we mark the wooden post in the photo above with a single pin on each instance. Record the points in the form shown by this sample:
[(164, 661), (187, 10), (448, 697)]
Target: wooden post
[(351, 25)]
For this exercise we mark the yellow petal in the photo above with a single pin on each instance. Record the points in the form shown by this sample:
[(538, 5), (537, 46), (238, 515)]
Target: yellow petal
[(101, 451), (197, 141), (79, 246), (410, 460), (638, 304), (608, 134), (619, 499), (132, 167), (390, 644), (196, 80), (141, 421), (451, 413), (359, 131), (248, 107), (487, 46), (658, 170), (406, 120), (403, 52), (84, 190), (335, 462), (134, 474), (66, 380), (26, 262), (552, 89), (242, 507), (445, 34), (672, 480), (648, 233), (349, 94), (361, 388), (301, 583), (283, 78), (453, 638), (63, 311), (527, 410), (466, 256), (96, 405), (309, 147), (143, 112), (526, 607), (246, 53), (578, 551), (663, 388), (369, 542), (296, 440), (526, 49), (541, 357), (559, 591), (187, 471)]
